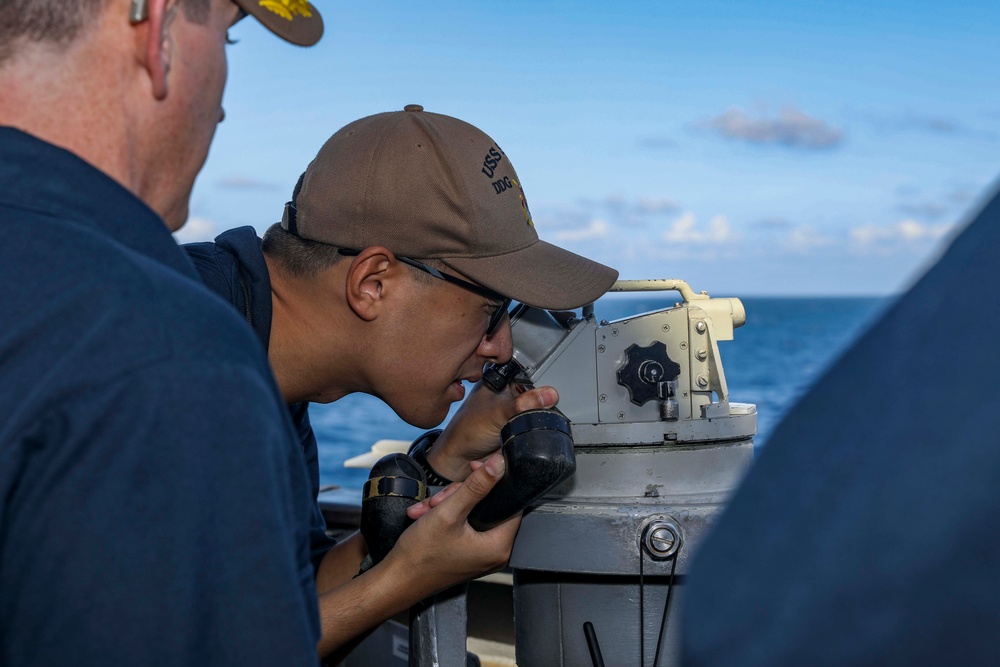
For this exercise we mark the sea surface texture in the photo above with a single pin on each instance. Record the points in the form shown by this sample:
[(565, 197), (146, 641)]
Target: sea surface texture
[(781, 350)]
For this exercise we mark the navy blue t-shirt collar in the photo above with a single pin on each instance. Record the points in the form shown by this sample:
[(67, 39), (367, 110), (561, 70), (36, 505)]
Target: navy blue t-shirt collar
[(38, 176), (244, 246)]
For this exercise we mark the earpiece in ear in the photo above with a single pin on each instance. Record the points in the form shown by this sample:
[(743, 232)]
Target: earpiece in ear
[(138, 11)]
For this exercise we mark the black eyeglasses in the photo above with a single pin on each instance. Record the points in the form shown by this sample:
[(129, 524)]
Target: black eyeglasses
[(500, 310)]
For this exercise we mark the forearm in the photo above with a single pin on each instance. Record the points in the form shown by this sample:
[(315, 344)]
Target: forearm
[(440, 549), (341, 563), (357, 606)]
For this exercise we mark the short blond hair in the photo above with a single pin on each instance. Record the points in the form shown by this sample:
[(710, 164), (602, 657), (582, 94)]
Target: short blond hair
[(59, 22)]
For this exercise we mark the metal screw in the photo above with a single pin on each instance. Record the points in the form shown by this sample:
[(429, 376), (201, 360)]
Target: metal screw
[(621, 415), (700, 327), (702, 381), (604, 398), (701, 354), (614, 332), (684, 345), (661, 539), (601, 348), (665, 327)]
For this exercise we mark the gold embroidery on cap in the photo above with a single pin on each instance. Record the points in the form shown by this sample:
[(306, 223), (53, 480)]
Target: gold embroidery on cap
[(524, 203), (287, 9)]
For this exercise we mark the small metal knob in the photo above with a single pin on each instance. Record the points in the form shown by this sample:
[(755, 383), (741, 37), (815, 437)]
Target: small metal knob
[(661, 539)]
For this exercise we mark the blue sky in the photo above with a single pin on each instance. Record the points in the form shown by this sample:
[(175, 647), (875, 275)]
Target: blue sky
[(750, 148)]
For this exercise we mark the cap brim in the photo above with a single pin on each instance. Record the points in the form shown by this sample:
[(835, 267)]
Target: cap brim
[(541, 275), (295, 21)]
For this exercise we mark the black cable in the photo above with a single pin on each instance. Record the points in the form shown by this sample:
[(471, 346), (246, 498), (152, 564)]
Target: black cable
[(642, 617), (666, 609), (595, 648)]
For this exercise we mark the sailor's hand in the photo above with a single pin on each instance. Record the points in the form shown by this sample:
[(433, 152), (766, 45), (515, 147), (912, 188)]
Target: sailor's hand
[(441, 549), (474, 433), (417, 510)]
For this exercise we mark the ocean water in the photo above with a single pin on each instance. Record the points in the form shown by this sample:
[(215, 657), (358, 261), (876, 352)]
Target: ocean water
[(782, 349)]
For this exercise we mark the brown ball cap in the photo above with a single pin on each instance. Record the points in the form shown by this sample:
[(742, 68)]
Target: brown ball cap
[(429, 186), (295, 21)]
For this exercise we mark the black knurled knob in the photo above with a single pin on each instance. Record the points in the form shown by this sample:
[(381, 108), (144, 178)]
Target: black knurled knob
[(644, 369)]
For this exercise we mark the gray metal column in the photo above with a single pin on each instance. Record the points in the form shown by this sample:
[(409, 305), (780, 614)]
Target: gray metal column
[(438, 630)]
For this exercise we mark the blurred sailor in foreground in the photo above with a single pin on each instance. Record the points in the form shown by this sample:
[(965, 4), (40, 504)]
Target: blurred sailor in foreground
[(868, 532), (154, 507)]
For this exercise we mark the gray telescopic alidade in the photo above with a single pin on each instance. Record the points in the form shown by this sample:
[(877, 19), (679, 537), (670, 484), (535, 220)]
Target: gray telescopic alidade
[(599, 566)]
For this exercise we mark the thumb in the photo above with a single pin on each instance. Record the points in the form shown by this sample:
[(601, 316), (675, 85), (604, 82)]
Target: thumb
[(533, 399), (476, 486)]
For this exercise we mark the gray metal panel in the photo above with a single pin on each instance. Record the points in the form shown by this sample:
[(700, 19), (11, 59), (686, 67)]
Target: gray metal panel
[(549, 616), (730, 427), (596, 526), (438, 630), (602, 539), (659, 472)]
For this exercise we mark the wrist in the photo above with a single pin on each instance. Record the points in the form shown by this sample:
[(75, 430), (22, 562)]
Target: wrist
[(421, 451)]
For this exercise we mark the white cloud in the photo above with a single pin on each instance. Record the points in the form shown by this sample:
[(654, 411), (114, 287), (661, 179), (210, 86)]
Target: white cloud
[(657, 142), (923, 209), (196, 229), (596, 229), (771, 224), (686, 230), (792, 128), (245, 183), (656, 205), (599, 216), (889, 237), (805, 238)]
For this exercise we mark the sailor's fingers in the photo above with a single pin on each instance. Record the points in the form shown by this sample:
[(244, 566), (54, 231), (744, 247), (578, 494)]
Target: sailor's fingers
[(444, 493), (534, 399), (417, 510), (476, 487)]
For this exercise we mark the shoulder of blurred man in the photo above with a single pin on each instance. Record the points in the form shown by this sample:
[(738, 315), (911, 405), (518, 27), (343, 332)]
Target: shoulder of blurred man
[(120, 367), (868, 530)]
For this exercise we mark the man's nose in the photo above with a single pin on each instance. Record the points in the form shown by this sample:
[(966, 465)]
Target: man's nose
[(498, 347)]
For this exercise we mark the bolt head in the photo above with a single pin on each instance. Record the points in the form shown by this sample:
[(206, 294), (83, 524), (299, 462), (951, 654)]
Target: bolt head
[(700, 327), (661, 539)]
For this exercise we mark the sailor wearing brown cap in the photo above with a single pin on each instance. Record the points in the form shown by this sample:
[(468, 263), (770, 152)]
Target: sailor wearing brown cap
[(391, 272)]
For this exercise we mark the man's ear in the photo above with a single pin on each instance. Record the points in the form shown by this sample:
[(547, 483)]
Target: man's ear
[(158, 48), (366, 281)]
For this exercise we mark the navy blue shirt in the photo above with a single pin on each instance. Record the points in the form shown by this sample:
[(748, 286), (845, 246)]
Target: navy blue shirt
[(234, 268), (153, 511), (868, 532)]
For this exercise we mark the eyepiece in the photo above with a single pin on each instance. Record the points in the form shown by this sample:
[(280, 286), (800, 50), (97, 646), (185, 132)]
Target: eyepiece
[(498, 376)]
